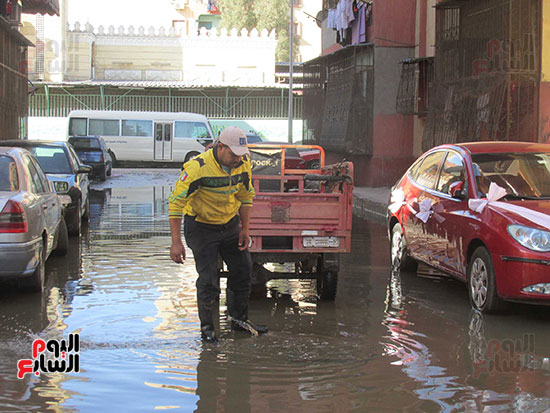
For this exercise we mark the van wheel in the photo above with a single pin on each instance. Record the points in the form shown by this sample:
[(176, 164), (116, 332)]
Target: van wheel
[(482, 287), (190, 156), (35, 282), (62, 239), (327, 283)]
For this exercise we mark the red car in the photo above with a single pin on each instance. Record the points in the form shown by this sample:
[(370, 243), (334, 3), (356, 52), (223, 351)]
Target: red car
[(479, 212)]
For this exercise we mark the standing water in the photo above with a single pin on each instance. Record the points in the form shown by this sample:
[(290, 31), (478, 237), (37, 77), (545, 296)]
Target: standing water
[(388, 341)]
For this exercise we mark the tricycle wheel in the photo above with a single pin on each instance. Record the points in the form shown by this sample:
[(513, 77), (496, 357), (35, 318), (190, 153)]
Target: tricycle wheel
[(327, 282)]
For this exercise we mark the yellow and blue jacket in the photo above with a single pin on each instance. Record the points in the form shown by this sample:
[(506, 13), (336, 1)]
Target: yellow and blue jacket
[(208, 192)]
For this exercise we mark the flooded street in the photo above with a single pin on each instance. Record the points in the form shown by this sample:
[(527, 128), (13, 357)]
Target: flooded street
[(388, 341)]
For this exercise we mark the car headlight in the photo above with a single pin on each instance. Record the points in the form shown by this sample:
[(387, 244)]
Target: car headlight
[(531, 238), (61, 186)]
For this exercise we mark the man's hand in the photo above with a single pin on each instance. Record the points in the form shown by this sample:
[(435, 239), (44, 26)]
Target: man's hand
[(177, 252), (244, 239)]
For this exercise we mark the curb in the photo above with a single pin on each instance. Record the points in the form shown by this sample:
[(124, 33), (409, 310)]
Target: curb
[(367, 209)]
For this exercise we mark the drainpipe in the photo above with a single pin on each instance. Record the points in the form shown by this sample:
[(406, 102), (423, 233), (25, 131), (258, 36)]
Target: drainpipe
[(290, 70)]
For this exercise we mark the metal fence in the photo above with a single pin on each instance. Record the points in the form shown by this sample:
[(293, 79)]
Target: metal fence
[(338, 100), (486, 72), (62, 101)]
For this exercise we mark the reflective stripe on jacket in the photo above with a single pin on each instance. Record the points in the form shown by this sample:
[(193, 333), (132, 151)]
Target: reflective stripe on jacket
[(205, 190)]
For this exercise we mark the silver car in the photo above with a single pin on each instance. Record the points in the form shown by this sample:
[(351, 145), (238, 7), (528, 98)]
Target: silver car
[(31, 220)]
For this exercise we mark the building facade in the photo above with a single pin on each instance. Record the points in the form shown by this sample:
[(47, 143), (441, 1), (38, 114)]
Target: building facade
[(350, 90), (14, 87), (443, 71)]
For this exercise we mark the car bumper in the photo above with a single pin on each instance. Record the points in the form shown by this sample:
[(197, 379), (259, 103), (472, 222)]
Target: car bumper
[(514, 273), (98, 169), (19, 259)]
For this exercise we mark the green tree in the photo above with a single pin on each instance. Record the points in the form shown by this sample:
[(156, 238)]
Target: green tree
[(261, 14), (238, 14)]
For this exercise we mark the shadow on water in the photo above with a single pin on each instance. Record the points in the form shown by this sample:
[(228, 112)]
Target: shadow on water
[(389, 341)]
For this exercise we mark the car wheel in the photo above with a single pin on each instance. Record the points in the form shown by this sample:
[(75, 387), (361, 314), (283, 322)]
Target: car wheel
[(62, 239), (314, 165), (86, 214), (400, 259), (103, 175), (35, 282), (110, 169), (77, 221), (327, 283), (190, 156), (482, 286)]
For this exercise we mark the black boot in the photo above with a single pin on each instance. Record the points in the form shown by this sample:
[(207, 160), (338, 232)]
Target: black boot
[(238, 313), (206, 315), (247, 325)]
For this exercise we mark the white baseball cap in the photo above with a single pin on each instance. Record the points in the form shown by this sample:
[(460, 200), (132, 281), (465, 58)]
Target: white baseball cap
[(235, 138)]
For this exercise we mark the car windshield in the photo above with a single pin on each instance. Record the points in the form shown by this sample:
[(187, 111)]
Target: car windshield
[(522, 175), (8, 174), (53, 160), (79, 144), (253, 138)]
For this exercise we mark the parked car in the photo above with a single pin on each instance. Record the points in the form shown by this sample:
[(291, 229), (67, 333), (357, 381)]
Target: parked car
[(93, 151), (31, 219), (312, 157), (479, 212), (68, 175)]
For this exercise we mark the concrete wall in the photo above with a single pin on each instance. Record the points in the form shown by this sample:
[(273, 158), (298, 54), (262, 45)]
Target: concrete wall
[(158, 54)]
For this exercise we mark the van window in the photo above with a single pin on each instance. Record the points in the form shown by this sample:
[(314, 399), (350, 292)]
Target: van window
[(191, 130), (77, 127), (137, 128), (104, 127)]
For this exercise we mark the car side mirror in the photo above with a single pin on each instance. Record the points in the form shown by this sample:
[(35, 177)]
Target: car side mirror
[(457, 190), (84, 169)]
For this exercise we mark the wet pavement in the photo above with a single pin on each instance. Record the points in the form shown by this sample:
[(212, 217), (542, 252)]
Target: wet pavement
[(388, 342)]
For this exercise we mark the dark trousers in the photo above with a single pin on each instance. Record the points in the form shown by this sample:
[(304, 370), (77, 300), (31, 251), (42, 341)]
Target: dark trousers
[(207, 241)]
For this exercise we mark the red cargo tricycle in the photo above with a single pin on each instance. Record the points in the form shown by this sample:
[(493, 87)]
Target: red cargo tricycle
[(300, 216)]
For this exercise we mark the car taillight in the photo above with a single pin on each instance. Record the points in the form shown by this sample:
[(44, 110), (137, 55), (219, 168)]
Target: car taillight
[(13, 219), (101, 158)]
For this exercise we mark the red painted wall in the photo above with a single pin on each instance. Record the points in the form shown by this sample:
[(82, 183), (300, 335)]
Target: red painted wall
[(393, 23)]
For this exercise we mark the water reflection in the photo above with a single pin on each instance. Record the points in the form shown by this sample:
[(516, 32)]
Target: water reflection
[(389, 341), (459, 358)]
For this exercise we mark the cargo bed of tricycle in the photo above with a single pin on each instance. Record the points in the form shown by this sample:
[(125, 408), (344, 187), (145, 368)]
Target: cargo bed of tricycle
[(300, 216)]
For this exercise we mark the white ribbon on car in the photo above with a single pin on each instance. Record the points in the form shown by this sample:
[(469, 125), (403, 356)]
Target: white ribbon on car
[(425, 210), (397, 200), (3, 203), (495, 193), (428, 209)]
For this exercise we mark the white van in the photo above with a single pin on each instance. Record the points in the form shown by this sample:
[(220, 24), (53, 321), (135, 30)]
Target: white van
[(145, 136)]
